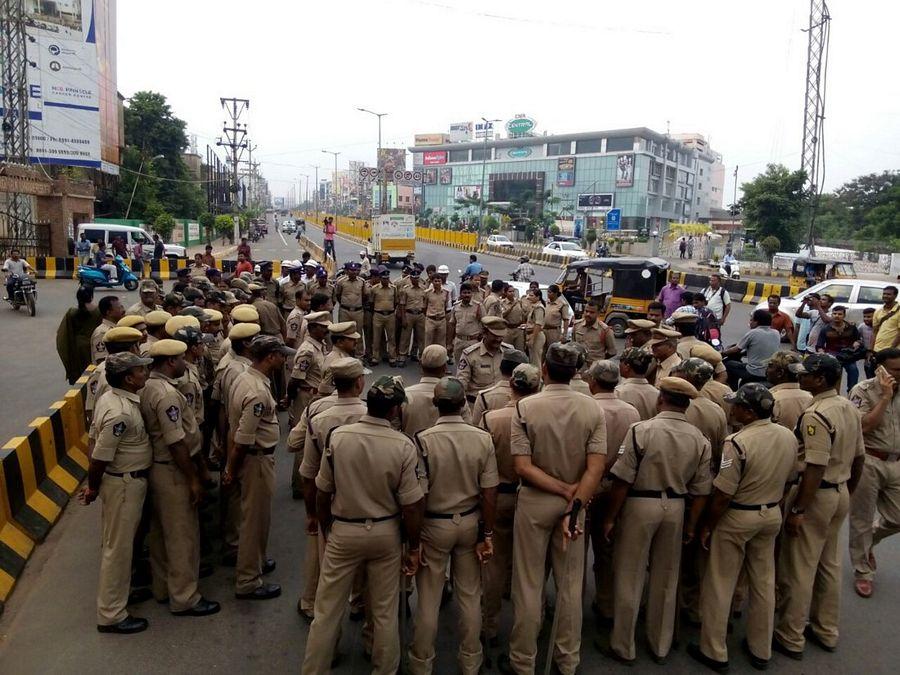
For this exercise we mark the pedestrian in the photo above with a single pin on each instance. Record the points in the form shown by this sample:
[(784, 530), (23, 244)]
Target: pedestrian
[(717, 298), (634, 387), (116, 340), (758, 345), (690, 247), (831, 435), (781, 321), (534, 334), (867, 335), (813, 320), (682, 247), (384, 322), (790, 399), (558, 443), (887, 320), (121, 456), (208, 258), (244, 249), (479, 364), (243, 265), (411, 311), (460, 470), (329, 229), (464, 325), (841, 339), (73, 337), (670, 295), (498, 395), (111, 311), (879, 487), (360, 520), (650, 484), (83, 249), (524, 271), (437, 306), (351, 293), (742, 521), (159, 249)]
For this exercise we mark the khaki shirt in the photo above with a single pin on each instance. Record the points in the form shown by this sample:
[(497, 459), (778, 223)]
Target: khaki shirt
[(354, 454), (598, 339), (418, 411), (664, 368), (140, 309), (351, 295), (478, 368), (383, 298), (756, 463), (830, 431), (716, 392), (118, 432), (168, 417), (492, 305), (342, 411), (647, 461), (274, 291), (412, 298), (556, 314), (98, 348), (886, 436), (216, 350), (296, 440), (459, 462), (534, 315), (790, 402), (498, 424), (580, 385), (558, 428), (329, 289), (189, 385), (619, 415), (514, 314), (685, 344), (226, 374), (711, 421), (254, 406), (639, 393), (490, 399), (271, 321), (289, 294), (436, 303), (309, 363), (326, 386), (295, 326), (96, 386), (466, 321)]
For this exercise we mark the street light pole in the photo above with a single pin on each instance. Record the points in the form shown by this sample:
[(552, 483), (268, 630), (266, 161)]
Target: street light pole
[(334, 180), (383, 190), (136, 179), (481, 199)]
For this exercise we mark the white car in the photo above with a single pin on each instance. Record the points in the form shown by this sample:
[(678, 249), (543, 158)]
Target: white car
[(500, 240), (288, 227), (854, 294), (566, 249)]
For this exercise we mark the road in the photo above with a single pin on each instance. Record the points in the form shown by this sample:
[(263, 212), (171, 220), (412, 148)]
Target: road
[(48, 625)]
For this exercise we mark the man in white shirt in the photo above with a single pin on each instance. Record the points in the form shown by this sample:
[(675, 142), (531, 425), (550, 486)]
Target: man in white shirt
[(717, 298), (14, 266), (443, 272)]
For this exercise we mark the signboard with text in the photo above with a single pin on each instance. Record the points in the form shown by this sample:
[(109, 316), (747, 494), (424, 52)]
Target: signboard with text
[(460, 132), (565, 172), (434, 157), (603, 200)]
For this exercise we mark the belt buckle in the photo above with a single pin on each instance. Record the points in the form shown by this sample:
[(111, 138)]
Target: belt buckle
[(456, 518), (664, 500), (368, 524)]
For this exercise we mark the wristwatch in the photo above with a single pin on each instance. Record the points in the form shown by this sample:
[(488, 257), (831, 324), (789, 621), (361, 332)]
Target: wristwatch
[(797, 511)]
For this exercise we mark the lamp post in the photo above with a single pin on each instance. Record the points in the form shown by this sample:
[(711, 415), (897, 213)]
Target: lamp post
[(136, 179), (316, 191), (304, 193), (383, 191), (481, 200), (334, 179)]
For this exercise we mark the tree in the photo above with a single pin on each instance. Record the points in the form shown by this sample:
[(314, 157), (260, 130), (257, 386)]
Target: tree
[(774, 203), (163, 225), (770, 246), (207, 223), (490, 224), (224, 226)]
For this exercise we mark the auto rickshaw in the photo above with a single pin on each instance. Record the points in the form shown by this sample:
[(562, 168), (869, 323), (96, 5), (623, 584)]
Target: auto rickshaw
[(621, 287), (806, 271)]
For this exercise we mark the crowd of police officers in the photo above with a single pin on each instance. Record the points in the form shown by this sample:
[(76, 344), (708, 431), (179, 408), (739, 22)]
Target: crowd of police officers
[(697, 500)]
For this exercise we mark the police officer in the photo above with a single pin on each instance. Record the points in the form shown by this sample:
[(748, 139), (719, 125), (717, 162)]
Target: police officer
[(156, 328), (373, 280), (498, 395), (273, 291), (650, 483), (634, 387), (412, 316), (384, 322), (524, 381), (289, 289), (251, 458), (556, 315), (344, 338), (790, 399), (271, 321), (309, 364), (175, 483), (111, 311), (437, 304), (638, 333), (686, 325), (464, 328), (239, 314), (135, 321), (830, 433), (149, 298), (715, 389), (514, 313), (598, 338), (493, 302), (121, 455), (295, 323), (663, 345), (115, 341), (558, 443), (742, 521), (361, 520), (479, 364), (351, 294), (460, 504)]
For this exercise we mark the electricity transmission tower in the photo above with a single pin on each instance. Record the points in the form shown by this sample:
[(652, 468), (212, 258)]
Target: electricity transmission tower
[(235, 141)]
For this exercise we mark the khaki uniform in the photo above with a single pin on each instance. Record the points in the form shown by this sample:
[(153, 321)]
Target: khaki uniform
[(514, 314), (230, 495), (756, 462), (289, 295), (274, 291), (119, 438), (478, 369), (683, 349), (556, 319), (639, 393), (558, 429), (384, 321), (365, 533), (664, 368), (140, 309), (717, 391), (492, 305), (216, 350), (96, 387), (192, 389), (175, 527), (145, 346), (326, 386), (830, 432), (652, 520), (790, 402), (879, 485), (710, 420), (295, 326), (351, 296), (313, 286), (491, 398), (598, 340), (535, 345), (436, 317), (459, 463), (271, 321), (419, 411), (308, 370), (98, 348), (465, 326), (257, 428), (412, 300)]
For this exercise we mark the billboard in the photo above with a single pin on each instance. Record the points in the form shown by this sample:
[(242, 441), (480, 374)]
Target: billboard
[(445, 176), (625, 170), (483, 129), (467, 192), (603, 200), (391, 159), (460, 132), (429, 139), (434, 157), (565, 172), (429, 176)]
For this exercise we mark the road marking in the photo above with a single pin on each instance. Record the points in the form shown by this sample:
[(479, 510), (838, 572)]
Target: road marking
[(281, 234)]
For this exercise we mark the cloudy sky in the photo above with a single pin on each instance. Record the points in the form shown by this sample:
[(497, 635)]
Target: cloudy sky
[(734, 72)]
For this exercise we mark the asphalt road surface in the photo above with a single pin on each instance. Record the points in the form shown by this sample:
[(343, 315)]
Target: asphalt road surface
[(48, 624)]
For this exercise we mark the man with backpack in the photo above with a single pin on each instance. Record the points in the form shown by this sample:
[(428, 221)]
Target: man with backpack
[(717, 298)]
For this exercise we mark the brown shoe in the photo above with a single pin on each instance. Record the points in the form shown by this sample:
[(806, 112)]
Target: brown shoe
[(863, 588)]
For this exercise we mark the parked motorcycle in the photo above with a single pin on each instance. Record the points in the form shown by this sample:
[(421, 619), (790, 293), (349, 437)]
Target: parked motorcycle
[(24, 294), (94, 277)]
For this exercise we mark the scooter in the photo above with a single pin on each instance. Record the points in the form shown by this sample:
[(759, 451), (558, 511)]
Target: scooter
[(735, 270), (94, 277), (24, 293)]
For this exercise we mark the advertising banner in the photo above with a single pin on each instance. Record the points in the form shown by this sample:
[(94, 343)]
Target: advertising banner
[(483, 129), (434, 157), (429, 176), (565, 172), (625, 170), (430, 139), (603, 200), (460, 132), (445, 176), (467, 192), (391, 159)]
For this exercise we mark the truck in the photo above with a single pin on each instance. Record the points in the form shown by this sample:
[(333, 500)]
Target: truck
[(393, 239)]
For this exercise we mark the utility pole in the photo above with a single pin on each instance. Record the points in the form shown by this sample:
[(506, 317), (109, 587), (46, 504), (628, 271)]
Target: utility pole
[(334, 181), (733, 206), (316, 191), (235, 142), (383, 191), (487, 123)]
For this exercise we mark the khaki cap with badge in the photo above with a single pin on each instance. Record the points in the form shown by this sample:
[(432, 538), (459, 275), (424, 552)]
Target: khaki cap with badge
[(525, 377), (637, 325), (450, 390), (131, 321), (322, 318), (123, 334), (157, 318), (604, 371), (167, 348), (347, 368), (214, 315), (346, 329), (663, 334), (677, 385), (242, 331), (124, 361), (181, 321), (244, 314), (494, 325), (434, 356), (684, 317), (755, 396)]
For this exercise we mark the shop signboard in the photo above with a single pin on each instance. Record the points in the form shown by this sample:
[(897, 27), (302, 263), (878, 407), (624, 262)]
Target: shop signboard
[(520, 125), (460, 132), (434, 157), (565, 172), (598, 201)]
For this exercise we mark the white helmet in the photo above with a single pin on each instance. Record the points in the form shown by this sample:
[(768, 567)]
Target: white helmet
[(287, 264), (443, 269), (362, 253), (256, 269)]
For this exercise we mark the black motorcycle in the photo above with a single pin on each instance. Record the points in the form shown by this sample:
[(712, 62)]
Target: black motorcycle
[(24, 293)]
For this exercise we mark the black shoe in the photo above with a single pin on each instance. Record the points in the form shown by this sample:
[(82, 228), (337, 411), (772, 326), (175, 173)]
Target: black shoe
[(206, 570), (693, 650), (611, 653), (139, 595), (268, 566), (414, 358), (264, 592), (128, 625), (203, 607), (811, 635), (755, 661), (659, 660), (777, 646)]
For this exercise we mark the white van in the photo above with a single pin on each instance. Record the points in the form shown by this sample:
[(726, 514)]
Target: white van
[(106, 232)]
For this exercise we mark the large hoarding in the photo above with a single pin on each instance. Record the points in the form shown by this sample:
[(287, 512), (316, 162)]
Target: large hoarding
[(625, 170), (460, 132), (430, 139), (391, 159)]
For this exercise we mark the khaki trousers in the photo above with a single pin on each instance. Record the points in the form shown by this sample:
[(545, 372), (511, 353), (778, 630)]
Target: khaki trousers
[(603, 558), (310, 574), (298, 405), (435, 332), (384, 326), (459, 345), (742, 540), (444, 540), (357, 316), (122, 500), (879, 488), (811, 572), (536, 349), (175, 544), (376, 547), (537, 536), (516, 337), (497, 573), (230, 513), (552, 335), (367, 332), (694, 560), (257, 485), (649, 532), (413, 334)]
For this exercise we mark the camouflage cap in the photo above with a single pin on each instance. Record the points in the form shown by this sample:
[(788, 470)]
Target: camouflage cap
[(263, 345), (514, 356), (604, 371), (191, 335), (525, 377), (450, 390), (119, 363), (755, 396), (239, 283), (564, 354), (697, 371), (783, 359), (198, 313), (387, 387), (582, 354), (817, 364), (173, 299), (636, 356)]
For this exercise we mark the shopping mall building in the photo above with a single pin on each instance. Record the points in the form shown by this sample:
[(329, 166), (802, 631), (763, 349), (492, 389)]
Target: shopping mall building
[(651, 178)]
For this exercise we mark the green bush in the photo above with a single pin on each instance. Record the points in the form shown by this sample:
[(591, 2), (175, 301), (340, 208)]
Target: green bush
[(163, 225)]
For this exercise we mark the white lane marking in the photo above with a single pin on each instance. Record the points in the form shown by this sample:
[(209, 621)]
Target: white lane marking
[(281, 234)]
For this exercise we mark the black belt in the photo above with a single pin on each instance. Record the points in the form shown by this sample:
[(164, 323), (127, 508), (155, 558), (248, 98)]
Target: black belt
[(477, 336), (351, 309), (450, 516), (140, 473), (261, 451), (551, 327), (414, 311), (162, 461), (827, 485), (508, 488), (365, 520), (384, 312), (656, 494), (752, 507), (437, 318)]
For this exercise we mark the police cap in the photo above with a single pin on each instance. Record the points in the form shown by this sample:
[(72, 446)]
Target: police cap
[(242, 331), (755, 396), (817, 364), (495, 325), (263, 345), (525, 378), (604, 371), (387, 388), (565, 355), (122, 334), (677, 385), (131, 321), (347, 368), (157, 318), (167, 348), (434, 356)]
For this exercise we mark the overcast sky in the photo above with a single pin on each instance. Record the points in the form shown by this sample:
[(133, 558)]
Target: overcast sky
[(734, 72)]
